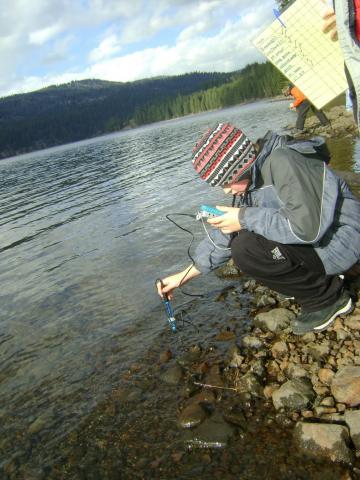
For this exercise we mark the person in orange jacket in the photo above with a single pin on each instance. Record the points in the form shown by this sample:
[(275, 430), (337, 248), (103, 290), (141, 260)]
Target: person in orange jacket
[(302, 106)]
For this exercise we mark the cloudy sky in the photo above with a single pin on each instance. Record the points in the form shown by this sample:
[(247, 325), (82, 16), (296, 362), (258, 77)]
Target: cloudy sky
[(44, 42)]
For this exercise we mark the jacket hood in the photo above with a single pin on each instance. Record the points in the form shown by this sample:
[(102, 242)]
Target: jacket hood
[(315, 147)]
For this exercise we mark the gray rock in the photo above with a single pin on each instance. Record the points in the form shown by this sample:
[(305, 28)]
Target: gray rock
[(173, 375), (345, 386), (279, 349), (296, 371), (353, 322), (317, 351), (249, 383), (235, 359), (293, 395), (323, 440), (308, 337), (213, 433), (191, 416), (275, 320), (265, 300), (250, 341), (258, 367), (352, 419)]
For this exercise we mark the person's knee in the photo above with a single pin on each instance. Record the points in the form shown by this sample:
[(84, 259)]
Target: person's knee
[(241, 248)]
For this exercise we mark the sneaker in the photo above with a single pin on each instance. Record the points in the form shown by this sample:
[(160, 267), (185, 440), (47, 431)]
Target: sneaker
[(322, 319)]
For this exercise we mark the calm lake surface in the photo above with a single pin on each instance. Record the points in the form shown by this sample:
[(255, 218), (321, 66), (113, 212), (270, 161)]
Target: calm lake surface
[(83, 238)]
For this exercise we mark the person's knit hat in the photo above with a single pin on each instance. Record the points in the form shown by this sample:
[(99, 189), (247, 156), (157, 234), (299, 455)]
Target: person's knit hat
[(223, 155)]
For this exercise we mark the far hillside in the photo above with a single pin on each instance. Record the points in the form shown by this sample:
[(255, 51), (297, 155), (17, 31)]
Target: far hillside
[(88, 108)]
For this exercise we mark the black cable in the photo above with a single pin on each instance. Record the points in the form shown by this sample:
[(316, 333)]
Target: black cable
[(188, 250)]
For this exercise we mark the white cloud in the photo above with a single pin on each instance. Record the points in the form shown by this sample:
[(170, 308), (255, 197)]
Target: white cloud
[(39, 37), (124, 41), (107, 48)]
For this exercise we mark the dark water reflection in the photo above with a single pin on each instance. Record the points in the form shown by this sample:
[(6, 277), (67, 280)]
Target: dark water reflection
[(83, 237)]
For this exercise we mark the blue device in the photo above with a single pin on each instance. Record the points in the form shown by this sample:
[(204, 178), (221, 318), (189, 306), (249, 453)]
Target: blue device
[(170, 313), (208, 212)]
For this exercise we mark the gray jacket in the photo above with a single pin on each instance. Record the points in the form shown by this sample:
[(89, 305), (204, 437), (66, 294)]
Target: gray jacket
[(294, 198), (350, 47)]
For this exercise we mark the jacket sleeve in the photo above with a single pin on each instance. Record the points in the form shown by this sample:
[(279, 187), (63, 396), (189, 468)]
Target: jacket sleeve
[(212, 251), (299, 97), (306, 198)]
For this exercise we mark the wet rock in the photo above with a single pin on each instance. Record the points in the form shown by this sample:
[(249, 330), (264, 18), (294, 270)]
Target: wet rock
[(165, 356), (279, 349), (205, 396), (251, 341), (235, 359), (225, 336), (212, 433), (235, 416), (275, 320), (293, 395), (173, 375), (265, 300), (352, 419), (213, 377), (270, 389), (345, 386), (39, 424), (249, 383), (192, 416), (258, 367), (323, 440), (228, 270)]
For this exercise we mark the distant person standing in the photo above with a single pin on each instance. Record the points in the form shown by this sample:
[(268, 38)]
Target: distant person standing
[(302, 106), (345, 26)]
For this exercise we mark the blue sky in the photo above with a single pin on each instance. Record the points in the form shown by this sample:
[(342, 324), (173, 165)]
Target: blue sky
[(45, 42)]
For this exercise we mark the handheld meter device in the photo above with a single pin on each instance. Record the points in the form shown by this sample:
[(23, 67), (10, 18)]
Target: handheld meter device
[(208, 212)]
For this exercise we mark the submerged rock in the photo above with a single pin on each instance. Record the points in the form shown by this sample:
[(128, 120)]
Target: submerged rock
[(192, 416), (173, 375), (323, 440), (213, 433)]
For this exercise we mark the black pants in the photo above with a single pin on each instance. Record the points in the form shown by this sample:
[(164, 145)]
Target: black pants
[(302, 111), (293, 270)]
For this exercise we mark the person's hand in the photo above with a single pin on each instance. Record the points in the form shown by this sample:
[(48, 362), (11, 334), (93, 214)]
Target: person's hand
[(291, 106), (329, 25), (227, 223), (168, 284)]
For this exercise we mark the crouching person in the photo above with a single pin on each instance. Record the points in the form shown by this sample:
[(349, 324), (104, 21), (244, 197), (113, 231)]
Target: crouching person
[(294, 225)]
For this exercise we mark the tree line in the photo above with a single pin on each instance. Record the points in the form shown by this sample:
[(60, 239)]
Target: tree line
[(88, 108)]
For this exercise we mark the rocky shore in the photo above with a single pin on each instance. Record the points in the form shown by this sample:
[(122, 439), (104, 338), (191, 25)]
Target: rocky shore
[(341, 125), (309, 383)]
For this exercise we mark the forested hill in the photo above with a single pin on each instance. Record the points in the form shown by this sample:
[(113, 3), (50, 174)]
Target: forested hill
[(87, 108)]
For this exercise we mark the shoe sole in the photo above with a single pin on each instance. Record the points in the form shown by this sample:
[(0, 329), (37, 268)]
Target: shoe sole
[(343, 310)]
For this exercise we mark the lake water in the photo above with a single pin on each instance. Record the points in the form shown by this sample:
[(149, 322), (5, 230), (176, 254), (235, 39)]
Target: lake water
[(83, 238)]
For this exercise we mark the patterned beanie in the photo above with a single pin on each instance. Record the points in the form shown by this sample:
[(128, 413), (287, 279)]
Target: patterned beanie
[(223, 155)]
